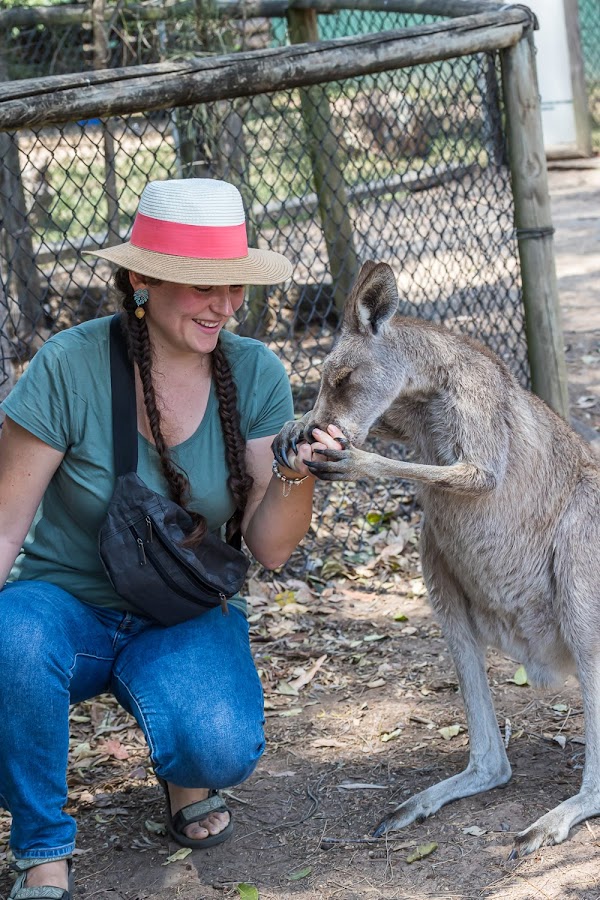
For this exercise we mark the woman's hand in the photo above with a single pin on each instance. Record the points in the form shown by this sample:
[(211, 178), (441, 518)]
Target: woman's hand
[(332, 439)]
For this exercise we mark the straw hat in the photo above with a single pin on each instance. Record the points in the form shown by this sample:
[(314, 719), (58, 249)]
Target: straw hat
[(193, 231)]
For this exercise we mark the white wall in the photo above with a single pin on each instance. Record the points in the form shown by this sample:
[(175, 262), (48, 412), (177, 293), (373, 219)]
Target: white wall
[(554, 74)]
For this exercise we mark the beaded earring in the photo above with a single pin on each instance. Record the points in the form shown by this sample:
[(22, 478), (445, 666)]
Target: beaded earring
[(140, 296)]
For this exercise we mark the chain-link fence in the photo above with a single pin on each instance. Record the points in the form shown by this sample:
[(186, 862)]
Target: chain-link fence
[(589, 26), (407, 166)]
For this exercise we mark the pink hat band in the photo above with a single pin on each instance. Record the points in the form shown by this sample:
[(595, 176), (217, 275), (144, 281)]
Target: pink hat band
[(193, 231), (193, 241)]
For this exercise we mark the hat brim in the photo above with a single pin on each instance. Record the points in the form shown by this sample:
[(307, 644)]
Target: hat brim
[(259, 267)]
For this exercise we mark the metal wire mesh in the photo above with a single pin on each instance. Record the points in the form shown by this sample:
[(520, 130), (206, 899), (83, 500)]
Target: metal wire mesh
[(589, 25), (406, 167)]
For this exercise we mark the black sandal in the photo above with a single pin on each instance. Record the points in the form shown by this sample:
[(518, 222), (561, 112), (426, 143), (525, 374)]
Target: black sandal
[(20, 891), (195, 812)]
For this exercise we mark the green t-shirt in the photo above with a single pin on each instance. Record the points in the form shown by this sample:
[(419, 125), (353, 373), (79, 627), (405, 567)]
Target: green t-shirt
[(64, 398)]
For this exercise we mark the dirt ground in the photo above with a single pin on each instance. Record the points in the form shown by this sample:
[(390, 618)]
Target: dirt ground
[(362, 711)]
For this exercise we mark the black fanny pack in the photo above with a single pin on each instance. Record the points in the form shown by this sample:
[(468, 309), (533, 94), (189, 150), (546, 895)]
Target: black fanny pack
[(141, 540)]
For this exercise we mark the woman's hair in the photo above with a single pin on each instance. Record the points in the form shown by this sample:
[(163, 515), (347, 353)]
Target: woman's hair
[(140, 349)]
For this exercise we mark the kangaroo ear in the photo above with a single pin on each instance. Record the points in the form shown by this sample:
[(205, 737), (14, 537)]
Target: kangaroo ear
[(374, 299)]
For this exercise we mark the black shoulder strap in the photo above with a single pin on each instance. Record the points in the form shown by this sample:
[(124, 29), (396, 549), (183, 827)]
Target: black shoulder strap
[(124, 411)]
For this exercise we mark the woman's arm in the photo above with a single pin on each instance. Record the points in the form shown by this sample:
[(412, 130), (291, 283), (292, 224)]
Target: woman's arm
[(274, 524), (26, 466)]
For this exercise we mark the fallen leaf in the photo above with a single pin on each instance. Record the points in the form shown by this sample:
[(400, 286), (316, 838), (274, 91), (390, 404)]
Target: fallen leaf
[(294, 711), (307, 676), (390, 735), (559, 739), (520, 676), (247, 891), (374, 637), (410, 629), (421, 852), (114, 748), (449, 731), (379, 682), (286, 773), (560, 707), (361, 786), (327, 742), (475, 830), (400, 617), (154, 827), (284, 688), (302, 873), (178, 855)]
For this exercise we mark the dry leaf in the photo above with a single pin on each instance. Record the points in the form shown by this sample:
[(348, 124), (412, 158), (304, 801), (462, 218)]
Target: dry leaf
[(114, 748), (327, 742), (306, 676), (390, 735), (475, 830)]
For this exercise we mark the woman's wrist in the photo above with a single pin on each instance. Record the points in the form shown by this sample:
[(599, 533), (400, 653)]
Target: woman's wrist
[(289, 477)]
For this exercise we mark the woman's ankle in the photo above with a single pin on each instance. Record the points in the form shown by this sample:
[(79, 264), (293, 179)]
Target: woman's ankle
[(53, 873)]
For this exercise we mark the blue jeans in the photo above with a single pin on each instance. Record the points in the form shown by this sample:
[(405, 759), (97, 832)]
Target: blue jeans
[(193, 689)]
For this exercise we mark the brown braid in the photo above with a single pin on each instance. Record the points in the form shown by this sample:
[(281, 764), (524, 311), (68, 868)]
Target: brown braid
[(239, 480), (140, 348)]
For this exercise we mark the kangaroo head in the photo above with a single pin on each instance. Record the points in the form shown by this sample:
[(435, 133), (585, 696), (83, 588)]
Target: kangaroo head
[(359, 380)]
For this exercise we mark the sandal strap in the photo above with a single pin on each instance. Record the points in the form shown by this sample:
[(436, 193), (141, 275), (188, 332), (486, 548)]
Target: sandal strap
[(197, 811), (44, 892)]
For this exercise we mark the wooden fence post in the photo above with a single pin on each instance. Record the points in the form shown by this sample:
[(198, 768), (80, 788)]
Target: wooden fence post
[(102, 61), (534, 226), (323, 148), (21, 271)]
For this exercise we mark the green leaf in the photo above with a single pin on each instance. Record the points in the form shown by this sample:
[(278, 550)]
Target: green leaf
[(400, 617), (180, 854), (247, 891), (155, 827), (421, 852), (449, 731), (374, 518), (520, 676), (302, 873)]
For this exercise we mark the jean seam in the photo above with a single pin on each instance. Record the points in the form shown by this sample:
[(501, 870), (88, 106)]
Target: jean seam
[(142, 718), (56, 853), (87, 656)]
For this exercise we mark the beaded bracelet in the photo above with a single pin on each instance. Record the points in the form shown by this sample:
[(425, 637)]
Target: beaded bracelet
[(287, 482)]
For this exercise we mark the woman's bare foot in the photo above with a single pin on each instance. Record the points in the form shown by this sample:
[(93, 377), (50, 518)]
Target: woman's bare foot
[(51, 874), (213, 824)]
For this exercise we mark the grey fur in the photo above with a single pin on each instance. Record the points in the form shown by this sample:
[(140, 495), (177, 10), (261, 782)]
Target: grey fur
[(511, 529)]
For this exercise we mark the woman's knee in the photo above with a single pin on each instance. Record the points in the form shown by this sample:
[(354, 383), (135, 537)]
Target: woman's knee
[(223, 753)]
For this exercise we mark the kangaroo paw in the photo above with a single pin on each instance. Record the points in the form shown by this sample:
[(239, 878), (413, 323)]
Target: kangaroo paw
[(554, 827), (473, 780)]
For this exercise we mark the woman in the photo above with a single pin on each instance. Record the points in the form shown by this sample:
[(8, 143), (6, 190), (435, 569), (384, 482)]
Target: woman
[(208, 406)]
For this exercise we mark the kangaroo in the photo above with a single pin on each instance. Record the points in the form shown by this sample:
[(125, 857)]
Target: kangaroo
[(510, 543)]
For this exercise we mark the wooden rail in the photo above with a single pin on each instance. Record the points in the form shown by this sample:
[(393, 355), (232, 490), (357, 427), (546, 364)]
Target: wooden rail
[(112, 92), (78, 14)]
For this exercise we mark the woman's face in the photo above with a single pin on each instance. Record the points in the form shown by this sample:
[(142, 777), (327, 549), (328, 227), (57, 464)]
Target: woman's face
[(188, 318)]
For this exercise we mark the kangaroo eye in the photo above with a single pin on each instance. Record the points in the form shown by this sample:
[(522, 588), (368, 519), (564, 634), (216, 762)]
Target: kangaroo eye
[(341, 376)]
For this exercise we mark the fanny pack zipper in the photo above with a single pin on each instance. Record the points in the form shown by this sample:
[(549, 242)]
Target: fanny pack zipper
[(146, 554)]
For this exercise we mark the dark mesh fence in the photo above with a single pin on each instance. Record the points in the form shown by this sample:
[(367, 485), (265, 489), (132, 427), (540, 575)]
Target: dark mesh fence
[(589, 23), (406, 167)]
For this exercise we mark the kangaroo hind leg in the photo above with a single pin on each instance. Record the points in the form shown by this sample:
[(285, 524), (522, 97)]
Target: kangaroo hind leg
[(488, 766)]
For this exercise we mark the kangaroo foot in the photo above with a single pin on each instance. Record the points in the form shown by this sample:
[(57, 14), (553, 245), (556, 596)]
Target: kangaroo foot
[(472, 781), (554, 827)]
